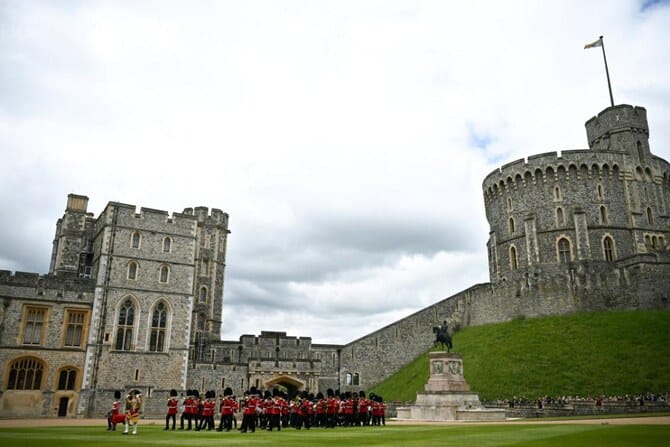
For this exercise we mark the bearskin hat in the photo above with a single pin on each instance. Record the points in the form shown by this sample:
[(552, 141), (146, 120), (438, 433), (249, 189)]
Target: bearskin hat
[(228, 391), (117, 394), (330, 392), (173, 392), (361, 393), (319, 395), (196, 393), (253, 390)]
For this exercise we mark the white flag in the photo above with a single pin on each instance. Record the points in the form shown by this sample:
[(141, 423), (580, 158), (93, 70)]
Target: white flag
[(597, 43)]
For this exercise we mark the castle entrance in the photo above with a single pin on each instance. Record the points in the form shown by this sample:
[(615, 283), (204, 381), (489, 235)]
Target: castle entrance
[(292, 385)]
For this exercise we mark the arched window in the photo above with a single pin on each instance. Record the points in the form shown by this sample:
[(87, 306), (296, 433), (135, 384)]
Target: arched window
[(167, 245), (557, 192), (67, 379), (603, 214), (356, 379), (564, 251), (135, 239), (608, 249), (124, 332), (601, 195), (133, 268), (513, 259), (158, 328), (560, 218), (640, 152), (164, 274), (650, 217), (511, 225), (25, 374), (202, 296), (348, 378), (509, 204), (201, 322)]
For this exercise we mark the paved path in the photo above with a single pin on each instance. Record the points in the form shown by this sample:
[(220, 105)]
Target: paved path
[(102, 423)]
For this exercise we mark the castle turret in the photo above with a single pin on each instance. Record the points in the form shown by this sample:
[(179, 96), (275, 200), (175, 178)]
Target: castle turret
[(72, 251), (620, 128)]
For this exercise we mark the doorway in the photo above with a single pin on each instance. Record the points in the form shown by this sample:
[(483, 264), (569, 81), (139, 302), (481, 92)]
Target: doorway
[(62, 406)]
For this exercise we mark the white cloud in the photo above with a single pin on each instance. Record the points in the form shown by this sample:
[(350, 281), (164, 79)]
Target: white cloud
[(347, 140)]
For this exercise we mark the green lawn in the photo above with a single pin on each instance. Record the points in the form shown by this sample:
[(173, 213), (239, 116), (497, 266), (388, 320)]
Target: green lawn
[(396, 435), (586, 354)]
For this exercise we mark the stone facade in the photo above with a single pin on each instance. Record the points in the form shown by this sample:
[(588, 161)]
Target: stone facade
[(133, 300)]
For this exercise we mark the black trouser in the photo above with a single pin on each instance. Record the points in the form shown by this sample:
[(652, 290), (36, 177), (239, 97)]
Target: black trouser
[(188, 417), (167, 421)]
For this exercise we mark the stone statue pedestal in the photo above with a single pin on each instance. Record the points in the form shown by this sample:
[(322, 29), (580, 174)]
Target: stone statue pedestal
[(447, 396)]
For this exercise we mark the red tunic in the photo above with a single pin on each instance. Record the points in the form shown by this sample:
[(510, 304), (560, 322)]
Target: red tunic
[(172, 404), (208, 408)]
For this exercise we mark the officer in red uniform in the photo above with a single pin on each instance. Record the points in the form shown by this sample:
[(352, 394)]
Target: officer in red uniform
[(320, 409), (187, 412), (208, 406), (115, 415), (172, 405), (228, 408), (252, 405), (364, 407)]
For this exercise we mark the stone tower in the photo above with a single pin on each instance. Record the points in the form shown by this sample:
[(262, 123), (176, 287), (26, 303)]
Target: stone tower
[(72, 251)]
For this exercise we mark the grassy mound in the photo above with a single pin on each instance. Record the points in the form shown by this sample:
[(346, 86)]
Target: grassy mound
[(588, 354)]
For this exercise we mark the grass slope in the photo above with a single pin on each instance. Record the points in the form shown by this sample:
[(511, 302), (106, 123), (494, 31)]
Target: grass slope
[(405, 435), (587, 354)]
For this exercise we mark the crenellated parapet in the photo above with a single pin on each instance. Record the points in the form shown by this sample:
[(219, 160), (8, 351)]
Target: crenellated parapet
[(623, 118)]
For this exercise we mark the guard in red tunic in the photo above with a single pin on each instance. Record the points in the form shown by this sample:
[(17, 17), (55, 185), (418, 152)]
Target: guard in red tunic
[(228, 408), (251, 403), (320, 409), (115, 415), (331, 408), (172, 405), (196, 409), (307, 410), (364, 408), (186, 412)]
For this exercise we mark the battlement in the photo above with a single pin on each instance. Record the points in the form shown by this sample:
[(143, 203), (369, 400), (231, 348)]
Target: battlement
[(203, 215), (616, 119), (64, 282)]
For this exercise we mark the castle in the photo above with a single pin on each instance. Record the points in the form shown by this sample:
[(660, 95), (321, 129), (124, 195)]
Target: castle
[(133, 300)]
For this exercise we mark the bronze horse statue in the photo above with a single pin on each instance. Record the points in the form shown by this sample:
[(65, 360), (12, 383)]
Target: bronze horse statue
[(442, 336)]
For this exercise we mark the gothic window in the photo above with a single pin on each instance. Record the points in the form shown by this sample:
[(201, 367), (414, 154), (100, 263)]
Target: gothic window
[(124, 331), (608, 249), (67, 378), (25, 374), (164, 274), (158, 328), (650, 217), (33, 325), (135, 239), (564, 251), (133, 268), (202, 296), (560, 218), (603, 214), (75, 328), (557, 192), (513, 258), (511, 225), (167, 245)]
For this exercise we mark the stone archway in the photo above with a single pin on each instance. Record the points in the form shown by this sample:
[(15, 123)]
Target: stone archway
[(292, 384)]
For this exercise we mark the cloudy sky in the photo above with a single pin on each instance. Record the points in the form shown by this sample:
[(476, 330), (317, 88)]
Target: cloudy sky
[(346, 139)]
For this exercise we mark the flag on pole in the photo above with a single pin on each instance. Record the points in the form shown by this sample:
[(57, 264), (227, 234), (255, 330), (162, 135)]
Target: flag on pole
[(597, 43)]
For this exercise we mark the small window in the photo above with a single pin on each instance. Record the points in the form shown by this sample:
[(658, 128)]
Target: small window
[(603, 214), (75, 328), (560, 218), (167, 245), (557, 192), (135, 239), (202, 296), (511, 225), (356, 379), (509, 204), (132, 270), (67, 378), (600, 192), (564, 251), (640, 152), (608, 249), (33, 325), (164, 274), (348, 379), (650, 217), (205, 268), (513, 259)]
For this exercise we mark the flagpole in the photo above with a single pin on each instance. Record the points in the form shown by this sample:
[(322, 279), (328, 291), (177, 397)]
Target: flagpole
[(607, 72)]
